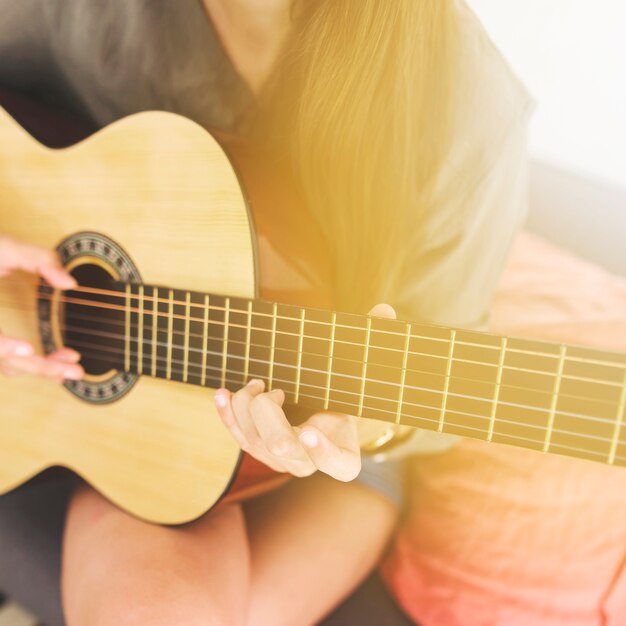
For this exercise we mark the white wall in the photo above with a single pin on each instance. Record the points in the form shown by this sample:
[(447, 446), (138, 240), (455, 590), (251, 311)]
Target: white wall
[(572, 56)]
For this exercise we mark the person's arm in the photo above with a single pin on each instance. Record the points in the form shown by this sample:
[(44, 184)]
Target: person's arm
[(17, 357)]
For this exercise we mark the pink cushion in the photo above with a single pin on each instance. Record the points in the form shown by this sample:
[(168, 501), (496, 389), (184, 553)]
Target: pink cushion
[(497, 535)]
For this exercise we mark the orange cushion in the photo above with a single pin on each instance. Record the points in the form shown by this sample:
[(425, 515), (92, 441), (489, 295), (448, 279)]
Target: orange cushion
[(502, 536)]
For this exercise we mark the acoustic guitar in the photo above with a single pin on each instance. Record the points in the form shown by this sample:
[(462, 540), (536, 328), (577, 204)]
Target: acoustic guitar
[(150, 217)]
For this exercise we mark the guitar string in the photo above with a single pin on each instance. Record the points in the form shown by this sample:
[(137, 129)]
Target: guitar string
[(131, 296), (147, 328), (194, 366), (602, 456), (144, 312), (540, 373)]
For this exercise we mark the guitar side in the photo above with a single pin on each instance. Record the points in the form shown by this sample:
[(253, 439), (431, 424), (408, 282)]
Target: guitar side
[(163, 189)]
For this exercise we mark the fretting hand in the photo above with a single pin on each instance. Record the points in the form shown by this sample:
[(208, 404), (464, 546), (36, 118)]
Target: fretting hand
[(327, 441), (16, 355)]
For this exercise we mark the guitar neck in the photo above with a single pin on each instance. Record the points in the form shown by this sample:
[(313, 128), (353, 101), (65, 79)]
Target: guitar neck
[(538, 395)]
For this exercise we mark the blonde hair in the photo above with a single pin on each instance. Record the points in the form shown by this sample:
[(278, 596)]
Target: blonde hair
[(358, 103)]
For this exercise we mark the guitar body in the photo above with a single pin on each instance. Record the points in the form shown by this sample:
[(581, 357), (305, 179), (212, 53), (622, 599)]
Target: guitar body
[(162, 189)]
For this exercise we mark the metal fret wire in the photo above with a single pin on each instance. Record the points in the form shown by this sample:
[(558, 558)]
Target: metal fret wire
[(444, 398), (555, 399), (619, 423), (403, 379), (496, 393)]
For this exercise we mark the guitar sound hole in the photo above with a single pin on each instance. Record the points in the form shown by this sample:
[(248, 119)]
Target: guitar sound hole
[(93, 321)]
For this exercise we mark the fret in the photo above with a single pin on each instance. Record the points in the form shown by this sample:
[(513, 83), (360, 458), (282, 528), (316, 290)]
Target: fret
[(496, 394), (216, 331), (186, 337), (162, 324), (526, 389), (299, 365), (248, 332), (585, 416), (155, 325), (315, 350), (225, 344), (384, 369), (127, 322), (143, 306), (350, 340), (178, 322), (139, 305), (621, 410), (194, 338), (261, 340), (170, 333), (472, 384), (403, 377), (234, 343), (555, 398), (270, 376), (365, 361), (330, 360), (446, 386), (134, 324), (427, 363), (205, 338), (285, 351)]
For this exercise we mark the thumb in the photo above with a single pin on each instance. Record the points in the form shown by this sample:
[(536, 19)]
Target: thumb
[(383, 310)]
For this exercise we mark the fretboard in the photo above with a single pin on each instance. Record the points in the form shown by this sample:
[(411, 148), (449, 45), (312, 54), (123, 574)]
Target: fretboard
[(537, 395)]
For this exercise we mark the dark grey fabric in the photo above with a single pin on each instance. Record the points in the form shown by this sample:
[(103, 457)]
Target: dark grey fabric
[(31, 528), (370, 605), (110, 59)]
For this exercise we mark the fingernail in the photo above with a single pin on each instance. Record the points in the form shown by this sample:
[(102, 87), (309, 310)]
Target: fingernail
[(309, 439), (221, 398), (23, 350), (254, 381)]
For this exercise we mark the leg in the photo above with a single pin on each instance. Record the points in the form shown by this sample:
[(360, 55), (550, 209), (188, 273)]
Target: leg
[(120, 571), (311, 543)]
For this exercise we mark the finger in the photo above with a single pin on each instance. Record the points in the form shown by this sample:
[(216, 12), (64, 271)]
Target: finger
[(341, 463), (238, 416), (15, 255), (58, 277), (65, 355), (241, 405), (273, 427), (223, 403), (14, 347), (41, 366), (383, 310)]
